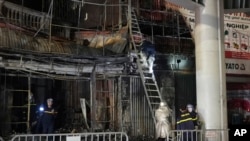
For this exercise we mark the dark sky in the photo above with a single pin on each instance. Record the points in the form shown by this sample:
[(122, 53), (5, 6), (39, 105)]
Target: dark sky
[(33, 4)]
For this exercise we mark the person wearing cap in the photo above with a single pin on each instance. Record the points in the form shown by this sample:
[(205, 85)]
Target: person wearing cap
[(162, 123), (48, 118)]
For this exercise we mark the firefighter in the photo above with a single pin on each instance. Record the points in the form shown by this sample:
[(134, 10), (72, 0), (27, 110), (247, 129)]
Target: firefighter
[(193, 113), (187, 121)]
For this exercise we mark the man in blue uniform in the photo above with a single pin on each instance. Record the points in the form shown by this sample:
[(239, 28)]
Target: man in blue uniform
[(192, 112), (187, 121), (48, 118)]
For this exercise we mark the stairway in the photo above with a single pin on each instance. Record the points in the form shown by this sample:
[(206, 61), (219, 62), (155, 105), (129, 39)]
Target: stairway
[(148, 79)]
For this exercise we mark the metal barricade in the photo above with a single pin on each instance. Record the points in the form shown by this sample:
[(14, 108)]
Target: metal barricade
[(98, 136), (198, 135)]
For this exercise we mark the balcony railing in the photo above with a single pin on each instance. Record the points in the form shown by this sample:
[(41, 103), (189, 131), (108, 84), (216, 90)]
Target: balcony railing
[(235, 4), (25, 17)]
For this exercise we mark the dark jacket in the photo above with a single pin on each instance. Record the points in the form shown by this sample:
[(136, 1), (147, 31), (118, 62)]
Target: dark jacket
[(47, 117), (185, 122), (194, 118), (148, 48)]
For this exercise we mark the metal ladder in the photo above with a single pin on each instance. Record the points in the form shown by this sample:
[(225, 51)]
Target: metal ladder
[(135, 32), (150, 86), (24, 108)]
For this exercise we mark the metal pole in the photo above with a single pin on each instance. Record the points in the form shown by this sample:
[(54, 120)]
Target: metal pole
[(79, 16), (93, 98), (105, 16), (129, 21), (178, 33), (50, 23), (131, 108), (29, 104), (120, 14), (119, 104)]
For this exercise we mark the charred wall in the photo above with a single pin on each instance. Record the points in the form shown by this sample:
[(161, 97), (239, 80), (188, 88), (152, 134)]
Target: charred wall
[(23, 95)]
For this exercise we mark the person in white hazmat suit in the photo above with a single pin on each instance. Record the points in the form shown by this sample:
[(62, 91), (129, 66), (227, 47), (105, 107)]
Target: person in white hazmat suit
[(162, 123)]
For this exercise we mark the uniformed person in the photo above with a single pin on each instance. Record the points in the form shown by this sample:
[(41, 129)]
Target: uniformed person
[(187, 121), (48, 118)]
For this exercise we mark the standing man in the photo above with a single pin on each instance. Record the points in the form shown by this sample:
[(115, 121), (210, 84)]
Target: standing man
[(162, 123), (48, 118), (193, 114), (187, 121)]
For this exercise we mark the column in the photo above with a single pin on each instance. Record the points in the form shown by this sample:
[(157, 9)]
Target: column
[(210, 65)]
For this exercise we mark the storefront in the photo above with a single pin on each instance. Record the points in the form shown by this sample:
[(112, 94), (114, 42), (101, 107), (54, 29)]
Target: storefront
[(237, 55), (237, 64)]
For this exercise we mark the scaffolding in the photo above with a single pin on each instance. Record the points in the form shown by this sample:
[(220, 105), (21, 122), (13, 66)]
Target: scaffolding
[(18, 101), (76, 73)]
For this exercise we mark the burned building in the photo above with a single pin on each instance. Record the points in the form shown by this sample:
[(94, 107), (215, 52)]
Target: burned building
[(79, 53)]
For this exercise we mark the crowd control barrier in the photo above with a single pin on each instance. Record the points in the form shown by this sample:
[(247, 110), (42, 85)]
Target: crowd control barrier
[(198, 135), (96, 136)]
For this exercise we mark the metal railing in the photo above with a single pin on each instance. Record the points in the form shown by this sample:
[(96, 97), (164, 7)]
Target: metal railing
[(236, 4), (25, 17), (103, 136), (198, 135)]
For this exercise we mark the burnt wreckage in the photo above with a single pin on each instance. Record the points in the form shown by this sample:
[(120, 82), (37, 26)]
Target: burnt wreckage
[(87, 61)]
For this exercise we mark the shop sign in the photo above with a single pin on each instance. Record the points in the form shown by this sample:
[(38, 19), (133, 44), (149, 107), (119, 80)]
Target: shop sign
[(237, 66)]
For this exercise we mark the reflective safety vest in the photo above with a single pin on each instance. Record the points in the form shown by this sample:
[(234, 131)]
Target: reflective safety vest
[(186, 122)]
